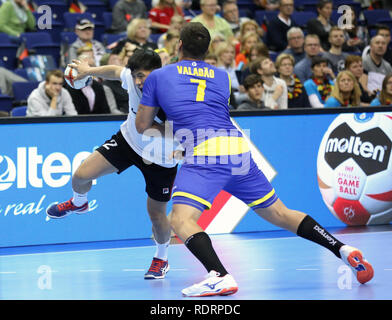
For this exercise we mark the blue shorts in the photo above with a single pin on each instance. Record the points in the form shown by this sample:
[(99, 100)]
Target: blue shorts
[(197, 185)]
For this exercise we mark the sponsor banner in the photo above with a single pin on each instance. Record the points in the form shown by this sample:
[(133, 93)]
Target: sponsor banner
[(37, 161)]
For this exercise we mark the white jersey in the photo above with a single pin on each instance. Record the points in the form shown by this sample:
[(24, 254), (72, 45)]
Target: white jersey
[(156, 150)]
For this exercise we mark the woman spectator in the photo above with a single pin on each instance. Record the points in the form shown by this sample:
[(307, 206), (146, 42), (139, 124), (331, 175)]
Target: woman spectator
[(297, 96), (16, 18), (322, 24), (354, 64), (247, 42), (319, 87), (176, 24), (357, 37), (226, 53), (345, 93), (258, 50), (138, 33), (385, 96), (216, 40), (246, 27), (162, 14)]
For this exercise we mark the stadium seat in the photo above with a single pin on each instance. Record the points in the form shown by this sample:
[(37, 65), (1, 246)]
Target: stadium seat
[(22, 73), (108, 38), (19, 111), (22, 90), (112, 3), (310, 5), (263, 16), (107, 20), (34, 38), (8, 55), (5, 103), (96, 8), (154, 37), (376, 16), (68, 37), (302, 17)]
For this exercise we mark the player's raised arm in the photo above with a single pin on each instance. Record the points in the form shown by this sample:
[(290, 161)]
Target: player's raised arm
[(111, 72)]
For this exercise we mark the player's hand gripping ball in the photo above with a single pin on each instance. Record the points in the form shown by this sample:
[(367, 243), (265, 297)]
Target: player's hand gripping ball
[(70, 75)]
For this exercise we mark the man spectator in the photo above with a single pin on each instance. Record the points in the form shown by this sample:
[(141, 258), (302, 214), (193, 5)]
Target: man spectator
[(126, 10), (211, 21), (16, 18), (280, 25), (254, 92), (295, 39), (375, 64), (382, 30), (312, 48), (231, 14), (50, 98), (335, 55), (275, 89), (84, 29), (90, 99)]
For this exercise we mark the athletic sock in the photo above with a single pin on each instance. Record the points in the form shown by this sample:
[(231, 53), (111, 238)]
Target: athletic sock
[(162, 249), (79, 199), (201, 246), (311, 230)]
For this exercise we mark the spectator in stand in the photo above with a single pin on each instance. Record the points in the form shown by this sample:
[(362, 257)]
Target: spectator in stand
[(16, 18), (138, 33), (231, 14), (216, 40), (295, 39), (322, 24), (296, 93), (382, 30), (50, 98), (126, 53), (357, 37), (90, 99), (171, 43), (375, 64), (176, 24), (226, 54), (124, 11), (345, 93), (267, 4), (254, 91), (335, 55), (211, 59), (319, 86), (162, 14), (7, 78), (247, 42), (211, 21), (246, 27), (280, 25), (354, 64), (258, 50), (385, 96), (312, 48), (275, 89), (84, 29), (164, 55), (116, 95)]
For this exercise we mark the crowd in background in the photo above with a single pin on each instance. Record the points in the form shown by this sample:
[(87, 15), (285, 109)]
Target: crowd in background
[(277, 63)]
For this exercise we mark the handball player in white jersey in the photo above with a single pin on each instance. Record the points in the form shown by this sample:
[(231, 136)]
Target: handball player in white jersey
[(125, 149)]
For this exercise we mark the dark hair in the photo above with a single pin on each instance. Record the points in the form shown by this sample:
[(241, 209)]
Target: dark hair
[(322, 3), (195, 40), (56, 73), (382, 27), (318, 60), (251, 80), (144, 59)]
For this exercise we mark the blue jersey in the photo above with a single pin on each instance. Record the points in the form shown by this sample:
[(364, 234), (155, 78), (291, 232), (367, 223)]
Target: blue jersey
[(195, 97)]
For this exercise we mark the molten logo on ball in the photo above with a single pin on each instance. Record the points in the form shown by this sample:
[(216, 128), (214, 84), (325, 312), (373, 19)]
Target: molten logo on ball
[(354, 168)]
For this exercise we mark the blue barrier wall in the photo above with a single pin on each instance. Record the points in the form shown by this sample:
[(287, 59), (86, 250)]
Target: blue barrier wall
[(37, 161)]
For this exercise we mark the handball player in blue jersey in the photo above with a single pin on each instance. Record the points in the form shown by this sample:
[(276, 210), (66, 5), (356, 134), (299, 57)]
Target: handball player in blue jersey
[(195, 97)]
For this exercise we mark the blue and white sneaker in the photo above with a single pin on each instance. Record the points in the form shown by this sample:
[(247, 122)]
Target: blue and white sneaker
[(63, 209), (158, 269), (212, 286)]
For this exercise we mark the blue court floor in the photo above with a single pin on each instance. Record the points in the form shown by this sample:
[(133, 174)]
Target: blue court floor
[(266, 265)]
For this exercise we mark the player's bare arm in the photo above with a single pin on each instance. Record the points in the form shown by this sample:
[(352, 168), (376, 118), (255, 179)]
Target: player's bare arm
[(110, 72), (145, 120)]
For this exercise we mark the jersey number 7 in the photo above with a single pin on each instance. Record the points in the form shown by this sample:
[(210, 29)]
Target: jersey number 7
[(201, 88)]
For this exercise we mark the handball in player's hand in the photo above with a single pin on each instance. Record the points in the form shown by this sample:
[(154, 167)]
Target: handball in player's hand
[(71, 77)]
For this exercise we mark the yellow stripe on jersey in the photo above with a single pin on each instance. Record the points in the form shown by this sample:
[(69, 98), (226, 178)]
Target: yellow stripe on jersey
[(193, 197), (221, 146), (263, 199)]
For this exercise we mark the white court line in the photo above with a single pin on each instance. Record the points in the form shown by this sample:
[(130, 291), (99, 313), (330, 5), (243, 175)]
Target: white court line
[(7, 272), (153, 246)]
